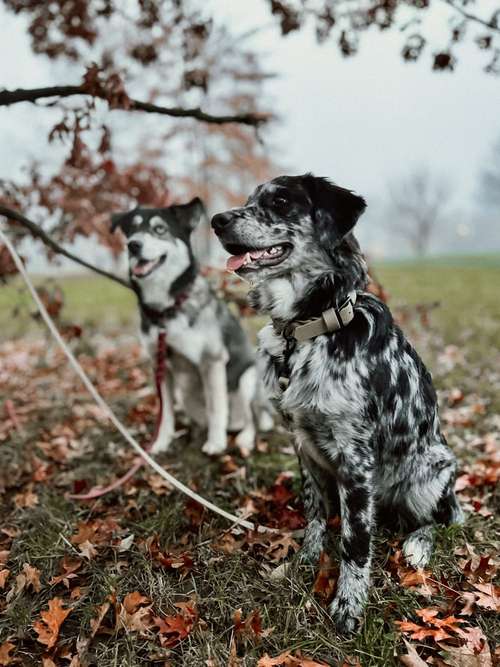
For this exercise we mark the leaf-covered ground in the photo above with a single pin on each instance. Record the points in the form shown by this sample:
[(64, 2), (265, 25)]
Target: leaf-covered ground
[(143, 577)]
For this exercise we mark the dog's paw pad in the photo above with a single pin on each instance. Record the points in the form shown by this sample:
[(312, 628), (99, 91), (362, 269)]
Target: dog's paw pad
[(213, 448)]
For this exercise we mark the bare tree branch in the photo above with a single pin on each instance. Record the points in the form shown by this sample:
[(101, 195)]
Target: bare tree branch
[(491, 25), (8, 97), (38, 232)]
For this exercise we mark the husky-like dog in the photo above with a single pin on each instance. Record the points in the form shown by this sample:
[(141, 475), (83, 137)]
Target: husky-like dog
[(211, 366), (356, 395)]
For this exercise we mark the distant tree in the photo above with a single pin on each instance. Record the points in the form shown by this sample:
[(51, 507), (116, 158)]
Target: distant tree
[(417, 208), (347, 20), (489, 185)]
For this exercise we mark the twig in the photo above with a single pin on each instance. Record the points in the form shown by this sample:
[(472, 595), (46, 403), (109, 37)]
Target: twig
[(8, 97), (53, 245), (473, 17)]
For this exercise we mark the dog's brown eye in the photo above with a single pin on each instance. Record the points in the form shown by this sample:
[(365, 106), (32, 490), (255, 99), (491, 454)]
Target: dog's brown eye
[(280, 202)]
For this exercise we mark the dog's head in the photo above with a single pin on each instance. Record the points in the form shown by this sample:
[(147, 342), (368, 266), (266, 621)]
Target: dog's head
[(158, 239), (289, 223)]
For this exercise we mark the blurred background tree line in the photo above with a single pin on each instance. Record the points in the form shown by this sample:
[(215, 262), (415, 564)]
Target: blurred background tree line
[(164, 101)]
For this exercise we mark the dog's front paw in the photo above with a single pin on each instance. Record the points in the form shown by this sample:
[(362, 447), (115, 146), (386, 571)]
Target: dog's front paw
[(162, 444), (345, 618), (214, 447)]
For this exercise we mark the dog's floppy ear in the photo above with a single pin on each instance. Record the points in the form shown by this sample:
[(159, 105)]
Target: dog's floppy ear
[(335, 209), (191, 214), (116, 220)]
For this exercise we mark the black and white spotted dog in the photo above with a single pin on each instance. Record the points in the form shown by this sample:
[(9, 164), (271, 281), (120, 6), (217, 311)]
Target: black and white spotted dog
[(212, 374), (356, 395)]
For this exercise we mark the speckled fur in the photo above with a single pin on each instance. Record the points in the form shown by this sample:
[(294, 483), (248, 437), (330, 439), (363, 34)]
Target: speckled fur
[(360, 403)]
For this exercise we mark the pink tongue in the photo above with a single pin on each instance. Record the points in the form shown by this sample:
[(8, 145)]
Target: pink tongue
[(237, 261), (141, 269)]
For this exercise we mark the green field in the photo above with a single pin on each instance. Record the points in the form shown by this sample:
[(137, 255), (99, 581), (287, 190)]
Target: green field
[(63, 442), (467, 289)]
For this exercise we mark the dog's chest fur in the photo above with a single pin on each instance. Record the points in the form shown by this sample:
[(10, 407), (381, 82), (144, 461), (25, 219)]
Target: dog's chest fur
[(360, 390)]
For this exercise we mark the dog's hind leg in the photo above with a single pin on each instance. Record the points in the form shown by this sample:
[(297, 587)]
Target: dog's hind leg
[(430, 500)]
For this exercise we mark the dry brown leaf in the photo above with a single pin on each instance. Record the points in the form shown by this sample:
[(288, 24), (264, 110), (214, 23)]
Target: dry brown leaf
[(286, 659), (30, 576), (474, 653), (326, 580), (88, 550), (3, 577), (173, 629), (68, 566), (411, 659), (26, 499), (5, 650), (134, 614), (48, 628)]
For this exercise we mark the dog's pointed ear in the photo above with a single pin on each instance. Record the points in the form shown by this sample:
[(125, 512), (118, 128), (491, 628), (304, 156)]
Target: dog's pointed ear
[(191, 214), (116, 221), (335, 209)]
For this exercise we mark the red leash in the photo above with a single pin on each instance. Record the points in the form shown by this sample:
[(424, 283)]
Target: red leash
[(160, 374)]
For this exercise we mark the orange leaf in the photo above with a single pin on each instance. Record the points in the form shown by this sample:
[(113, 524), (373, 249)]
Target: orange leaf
[(48, 629), (3, 577), (5, 657)]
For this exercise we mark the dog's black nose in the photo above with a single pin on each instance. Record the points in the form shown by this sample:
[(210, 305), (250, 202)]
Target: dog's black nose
[(134, 248), (220, 221)]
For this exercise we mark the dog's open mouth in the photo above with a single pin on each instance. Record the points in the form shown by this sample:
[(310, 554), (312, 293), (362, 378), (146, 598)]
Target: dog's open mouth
[(254, 258), (145, 267)]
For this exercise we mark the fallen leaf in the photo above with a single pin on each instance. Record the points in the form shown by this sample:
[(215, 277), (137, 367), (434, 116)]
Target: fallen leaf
[(411, 659), (26, 499), (326, 579), (69, 567), (30, 576), (87, 550), (3, 577), (286, 659), (48, 628), (5, 650), (474, 653)]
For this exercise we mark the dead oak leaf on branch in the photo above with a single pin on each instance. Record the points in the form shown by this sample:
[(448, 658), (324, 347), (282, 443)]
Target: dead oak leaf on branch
[(48, 628)]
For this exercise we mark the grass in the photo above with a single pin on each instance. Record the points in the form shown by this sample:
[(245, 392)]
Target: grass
[(469, 318)]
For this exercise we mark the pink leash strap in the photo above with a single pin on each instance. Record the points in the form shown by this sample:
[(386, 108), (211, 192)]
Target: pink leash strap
[(160, 374)]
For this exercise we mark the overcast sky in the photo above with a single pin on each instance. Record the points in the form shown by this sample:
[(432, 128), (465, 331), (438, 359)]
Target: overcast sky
[(363, 121)]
